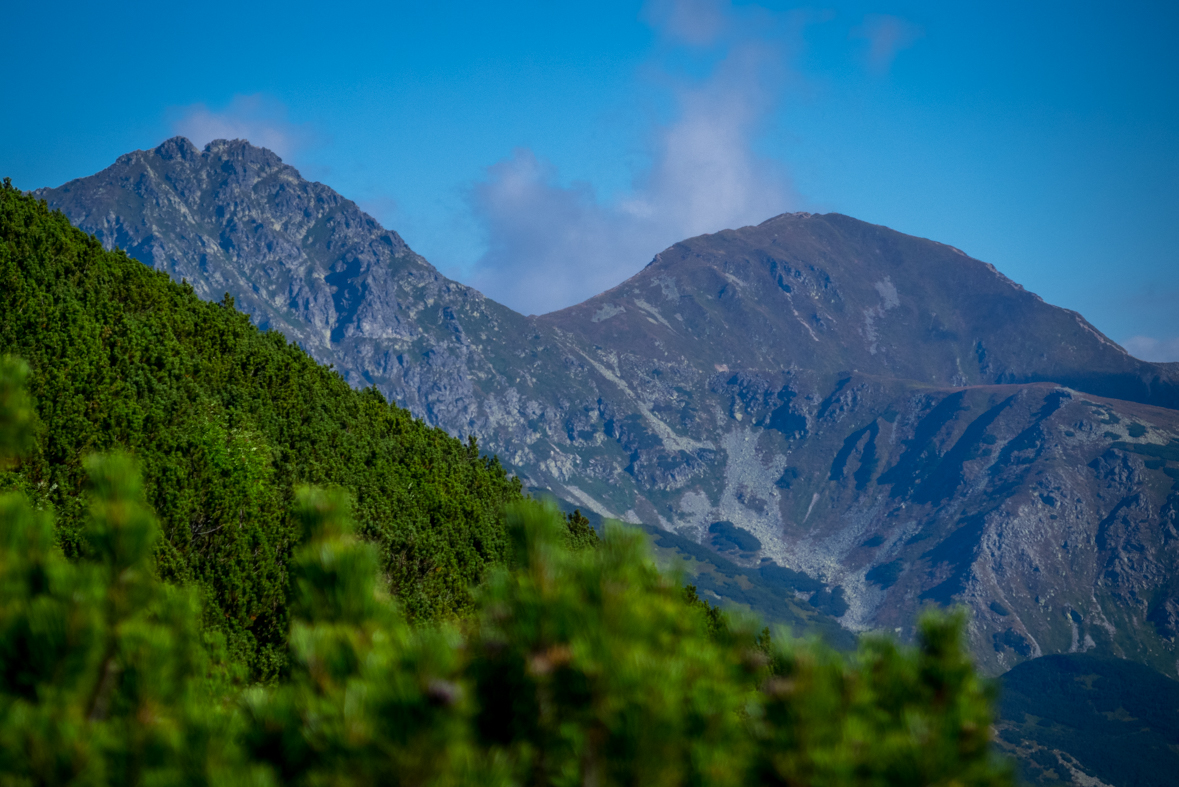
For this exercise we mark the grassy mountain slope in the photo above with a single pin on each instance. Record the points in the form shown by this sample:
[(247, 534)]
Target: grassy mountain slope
[(1074, 717), (227, 421)]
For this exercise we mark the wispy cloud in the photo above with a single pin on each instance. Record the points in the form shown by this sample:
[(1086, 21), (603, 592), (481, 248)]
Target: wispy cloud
[(552, 244), (258, 118), (1148, 348), (693, 22), (886, 36)]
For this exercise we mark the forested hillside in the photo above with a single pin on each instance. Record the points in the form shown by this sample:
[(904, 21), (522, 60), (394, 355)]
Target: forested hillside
[(225, 421)]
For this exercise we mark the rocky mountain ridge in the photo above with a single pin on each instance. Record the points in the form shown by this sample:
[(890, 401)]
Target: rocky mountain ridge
[(814, 394)]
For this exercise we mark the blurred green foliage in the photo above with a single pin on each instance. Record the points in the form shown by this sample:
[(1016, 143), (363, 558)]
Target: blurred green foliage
[(369, 698), (888, 716), (106, 675), (227, 421), (588, 667)]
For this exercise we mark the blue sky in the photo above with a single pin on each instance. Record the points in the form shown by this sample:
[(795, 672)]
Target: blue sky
[(543, 152)]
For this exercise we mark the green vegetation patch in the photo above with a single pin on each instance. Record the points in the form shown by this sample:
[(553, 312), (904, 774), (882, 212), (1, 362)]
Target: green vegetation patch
[(226, 421), (1168, 452), (1117, 718), (583, 667), (727, 536)]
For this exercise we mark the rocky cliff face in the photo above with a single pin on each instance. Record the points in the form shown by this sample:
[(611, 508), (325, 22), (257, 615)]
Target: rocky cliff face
[(301, 259), (880, 412)]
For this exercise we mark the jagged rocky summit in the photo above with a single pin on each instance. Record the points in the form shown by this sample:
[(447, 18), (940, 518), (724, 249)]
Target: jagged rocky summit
[(814, 394)]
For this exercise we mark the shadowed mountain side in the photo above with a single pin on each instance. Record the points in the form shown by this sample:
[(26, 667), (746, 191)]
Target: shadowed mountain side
[(877, 413), (1074, 719), (1052, 514)]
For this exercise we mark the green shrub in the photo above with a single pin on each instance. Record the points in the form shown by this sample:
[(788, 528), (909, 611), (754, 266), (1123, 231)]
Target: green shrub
[(369, 698), (105, 676), (888, 716), (588, 667)]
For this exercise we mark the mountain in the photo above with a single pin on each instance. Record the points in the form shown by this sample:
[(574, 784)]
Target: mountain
[(824, 293), (851, 418), (298, 258)]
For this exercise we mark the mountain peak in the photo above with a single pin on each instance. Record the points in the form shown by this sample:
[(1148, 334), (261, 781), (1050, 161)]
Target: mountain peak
[(242, 149), (234, 218), (841, 293), (177, 148), (180, 149), (801, 214)]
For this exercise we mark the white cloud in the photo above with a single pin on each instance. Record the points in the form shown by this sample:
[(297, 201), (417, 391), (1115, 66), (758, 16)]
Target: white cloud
[(548, 245), (257, 118), (693, 22), (551, 245), (886, 36), (1148, 348)]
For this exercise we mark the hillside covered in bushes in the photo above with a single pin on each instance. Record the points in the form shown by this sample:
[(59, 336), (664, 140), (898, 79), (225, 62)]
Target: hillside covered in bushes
[(226, 421)]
